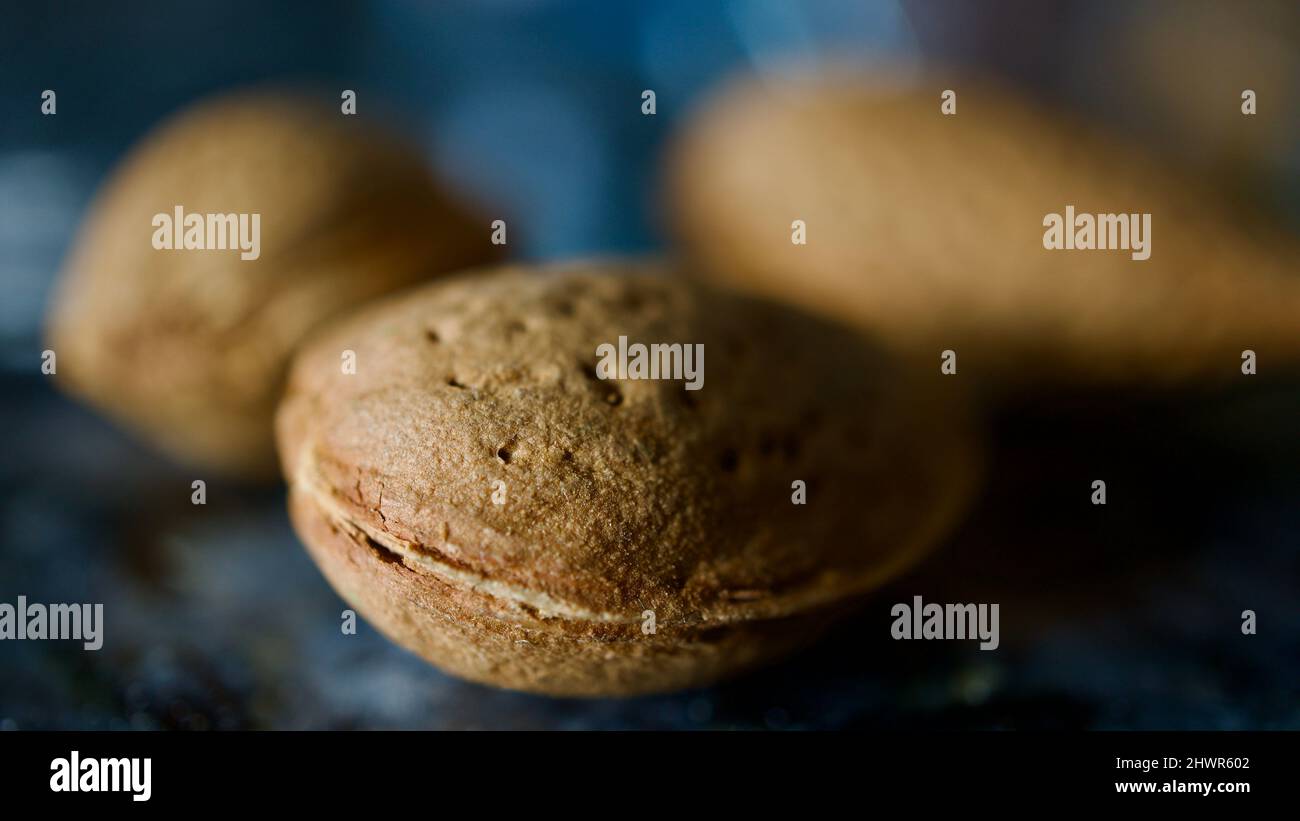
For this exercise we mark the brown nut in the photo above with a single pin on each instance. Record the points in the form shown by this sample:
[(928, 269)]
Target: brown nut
[(929, 230), (482, 495), (189, 347)]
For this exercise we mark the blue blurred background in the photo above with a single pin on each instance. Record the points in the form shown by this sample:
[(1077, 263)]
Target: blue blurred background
[(535, 106)]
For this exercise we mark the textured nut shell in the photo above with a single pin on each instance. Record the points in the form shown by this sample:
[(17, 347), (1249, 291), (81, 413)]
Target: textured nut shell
[(190, 347), (928, 230), (622, 496)]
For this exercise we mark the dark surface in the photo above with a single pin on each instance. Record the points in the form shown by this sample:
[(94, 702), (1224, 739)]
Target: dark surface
[(1126, 615)]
